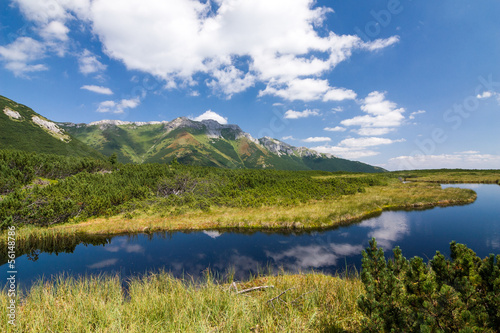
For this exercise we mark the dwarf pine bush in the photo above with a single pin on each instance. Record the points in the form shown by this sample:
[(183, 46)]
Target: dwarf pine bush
[(460, 294)]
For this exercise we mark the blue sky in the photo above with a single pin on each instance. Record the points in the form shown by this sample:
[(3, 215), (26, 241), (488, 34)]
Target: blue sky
[(399, 84)]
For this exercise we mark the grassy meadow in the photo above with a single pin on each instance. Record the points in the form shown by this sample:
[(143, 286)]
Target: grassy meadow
[(160, 303)]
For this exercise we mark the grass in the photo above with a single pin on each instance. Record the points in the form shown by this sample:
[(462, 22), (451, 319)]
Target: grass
[(310, 215), (160, 303)]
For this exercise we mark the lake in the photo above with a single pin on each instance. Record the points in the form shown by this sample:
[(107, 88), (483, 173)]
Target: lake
[(418, 233)]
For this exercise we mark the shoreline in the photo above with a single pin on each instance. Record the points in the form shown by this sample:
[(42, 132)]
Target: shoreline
[(313, 216)]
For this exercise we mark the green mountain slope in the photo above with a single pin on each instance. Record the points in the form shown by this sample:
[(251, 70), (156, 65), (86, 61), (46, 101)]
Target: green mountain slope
[(24, 129), (205, 143)]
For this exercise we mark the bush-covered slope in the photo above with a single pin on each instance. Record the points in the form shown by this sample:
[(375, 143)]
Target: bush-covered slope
[(86, 188), (19, 130)]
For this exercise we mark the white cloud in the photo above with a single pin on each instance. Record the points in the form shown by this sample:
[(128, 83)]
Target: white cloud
[(380, 43), (337, 109), (367, 142), (381, 113), (118, 107), (290, 137), (231, 80), (297, 89), (486, 94), (291, 114), (465, 160), (88, 63), (468, 152), (338, 94), (370, 131), (344, 152), (353, 148), (306, 90), (42, 12), (55, 30), (19, 55), (209, 114), (317, 139), (413, 114), (98, 89), (335, 129), (236, 43)]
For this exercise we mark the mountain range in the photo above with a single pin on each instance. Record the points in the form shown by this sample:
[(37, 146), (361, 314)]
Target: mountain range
[(206, 142)]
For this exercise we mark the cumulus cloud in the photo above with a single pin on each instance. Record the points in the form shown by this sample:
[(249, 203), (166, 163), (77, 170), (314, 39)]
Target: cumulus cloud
[(308, 89), (339, 94), (317, 139), (19, 56), (209, 114), (464, 160), (55, 30), (50, 17), (118, 107), (334, 129), (236, 43), (382, 115), (291, 114), (231, 80), (98, 89), (88, 63)]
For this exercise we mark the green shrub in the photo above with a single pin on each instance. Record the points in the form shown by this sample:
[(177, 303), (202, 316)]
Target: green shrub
[(457, 295), (88, 188)]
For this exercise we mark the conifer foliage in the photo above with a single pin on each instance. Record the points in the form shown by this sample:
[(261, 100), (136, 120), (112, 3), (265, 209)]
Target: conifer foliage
[(460, 294), (79, 188)]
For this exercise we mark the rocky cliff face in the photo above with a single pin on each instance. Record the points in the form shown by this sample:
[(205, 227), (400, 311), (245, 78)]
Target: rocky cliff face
[(281, 148)]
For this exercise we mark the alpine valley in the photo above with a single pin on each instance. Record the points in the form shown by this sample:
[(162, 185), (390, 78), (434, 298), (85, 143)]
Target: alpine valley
[(205, 143)]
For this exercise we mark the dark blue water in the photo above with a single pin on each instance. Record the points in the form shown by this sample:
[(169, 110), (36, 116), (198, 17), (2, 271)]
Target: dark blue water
[(418, 233)]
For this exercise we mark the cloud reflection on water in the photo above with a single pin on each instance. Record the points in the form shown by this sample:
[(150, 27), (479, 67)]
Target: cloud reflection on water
[(123, 244), (387, 229), (103, 263)]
